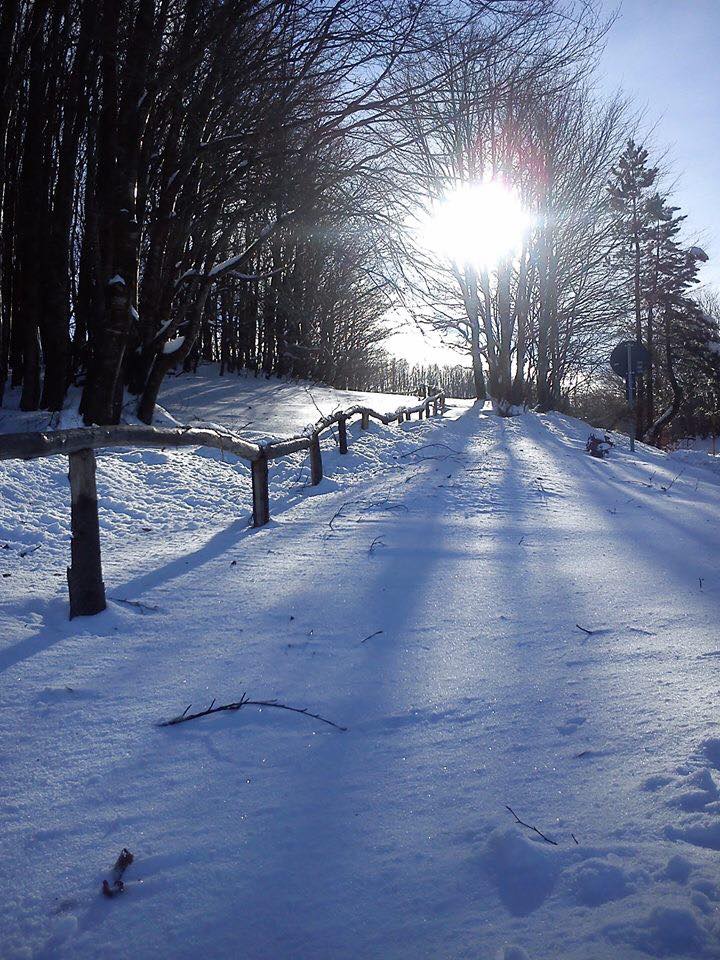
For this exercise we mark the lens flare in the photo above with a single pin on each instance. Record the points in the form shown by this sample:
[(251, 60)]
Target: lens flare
[(478, 224)]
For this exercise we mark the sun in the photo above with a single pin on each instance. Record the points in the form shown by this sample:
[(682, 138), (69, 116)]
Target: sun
[(478, 224)]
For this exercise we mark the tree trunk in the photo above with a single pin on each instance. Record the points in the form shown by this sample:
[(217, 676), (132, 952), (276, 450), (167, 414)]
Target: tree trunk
[(652, 434)]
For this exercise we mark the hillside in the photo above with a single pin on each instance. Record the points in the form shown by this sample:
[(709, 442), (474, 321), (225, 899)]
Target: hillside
[(498, 619)]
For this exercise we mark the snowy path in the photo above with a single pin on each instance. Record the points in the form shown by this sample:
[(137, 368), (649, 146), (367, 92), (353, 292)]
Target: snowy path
[(475, 545)]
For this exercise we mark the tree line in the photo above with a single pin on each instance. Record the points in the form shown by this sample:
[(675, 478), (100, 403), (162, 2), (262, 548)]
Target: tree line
[(245, 182), (171, 166)]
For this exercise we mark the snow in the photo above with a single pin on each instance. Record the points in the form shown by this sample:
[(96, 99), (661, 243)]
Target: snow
[(171, 346), (472, 547), (262, 408)]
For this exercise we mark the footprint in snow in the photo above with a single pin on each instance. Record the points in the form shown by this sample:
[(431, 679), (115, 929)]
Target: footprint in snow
[(693, 790), (572, 725)]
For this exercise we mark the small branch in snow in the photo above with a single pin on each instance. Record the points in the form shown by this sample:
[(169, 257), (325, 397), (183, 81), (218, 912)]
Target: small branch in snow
[(142, 607), (245, 701), (339, 513), (529, 827), (26, 553), (379, 542), (116, 885), (590, 633), (669, 486), (376, 634), (541, 490), (451, 454)]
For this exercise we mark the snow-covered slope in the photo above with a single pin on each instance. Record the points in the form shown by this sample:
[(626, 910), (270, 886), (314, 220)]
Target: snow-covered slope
[(259, 407), (499, 620), (254, 406)]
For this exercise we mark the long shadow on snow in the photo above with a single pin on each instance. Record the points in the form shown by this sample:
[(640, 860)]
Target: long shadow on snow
[(334, 837), (644, 533), (220, 543)]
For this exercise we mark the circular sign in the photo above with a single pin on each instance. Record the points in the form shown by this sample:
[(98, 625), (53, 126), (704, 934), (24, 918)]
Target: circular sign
[(635, 353)]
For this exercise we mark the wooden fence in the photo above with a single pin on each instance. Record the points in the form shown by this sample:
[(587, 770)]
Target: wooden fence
[(84, 575)]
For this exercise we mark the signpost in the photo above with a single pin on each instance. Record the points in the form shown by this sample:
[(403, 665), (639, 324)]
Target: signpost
[(630, 360)]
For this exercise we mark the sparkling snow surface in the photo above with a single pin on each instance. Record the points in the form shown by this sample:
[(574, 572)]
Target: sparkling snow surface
[(476, 545)]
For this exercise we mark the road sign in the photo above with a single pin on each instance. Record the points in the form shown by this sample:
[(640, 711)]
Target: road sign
[(630, 355)]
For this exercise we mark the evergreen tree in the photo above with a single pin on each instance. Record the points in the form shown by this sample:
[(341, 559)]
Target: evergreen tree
[(681, 341), (631, 181)]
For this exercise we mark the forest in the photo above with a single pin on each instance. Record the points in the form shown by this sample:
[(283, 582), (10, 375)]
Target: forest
[(247, 182)]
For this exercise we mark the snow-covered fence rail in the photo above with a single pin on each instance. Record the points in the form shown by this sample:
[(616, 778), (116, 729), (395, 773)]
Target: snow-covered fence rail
[(85, 582)]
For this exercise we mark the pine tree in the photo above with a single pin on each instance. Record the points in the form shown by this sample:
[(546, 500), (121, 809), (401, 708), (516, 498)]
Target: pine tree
[(684, 332), (631, 181)]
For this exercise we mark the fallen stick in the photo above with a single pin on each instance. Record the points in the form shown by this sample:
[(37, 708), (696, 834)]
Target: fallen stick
[(376, 634), (121, 865), (529, 827), (427, 446), (245, 701), (142, 607), (669, 486)]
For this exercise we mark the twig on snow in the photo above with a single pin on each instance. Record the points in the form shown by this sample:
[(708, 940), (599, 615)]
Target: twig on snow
[(676, 477), (426, 446), (26, 553), (452, 455), (590, 633), (529, 827), (384, 504), (121, 865), (142, 607), (379, 542), (338, 513), (376, 634), (245, 701), (541, 490)]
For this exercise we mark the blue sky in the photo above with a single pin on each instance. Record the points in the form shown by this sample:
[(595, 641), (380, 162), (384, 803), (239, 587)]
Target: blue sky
[(666, 55)]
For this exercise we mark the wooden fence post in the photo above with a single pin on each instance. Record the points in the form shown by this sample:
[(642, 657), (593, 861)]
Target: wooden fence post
[(427, 410), (407, 415), (84, 575), (401, 418), (316, 467), (342, 434), (364, 420), (435, 407), (260, 491)]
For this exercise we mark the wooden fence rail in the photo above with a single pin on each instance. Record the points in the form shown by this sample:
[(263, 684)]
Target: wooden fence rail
[(84, 575)]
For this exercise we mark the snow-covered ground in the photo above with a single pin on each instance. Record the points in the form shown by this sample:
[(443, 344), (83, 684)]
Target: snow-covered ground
[(499, 620), (261, 408), (253, 406)]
